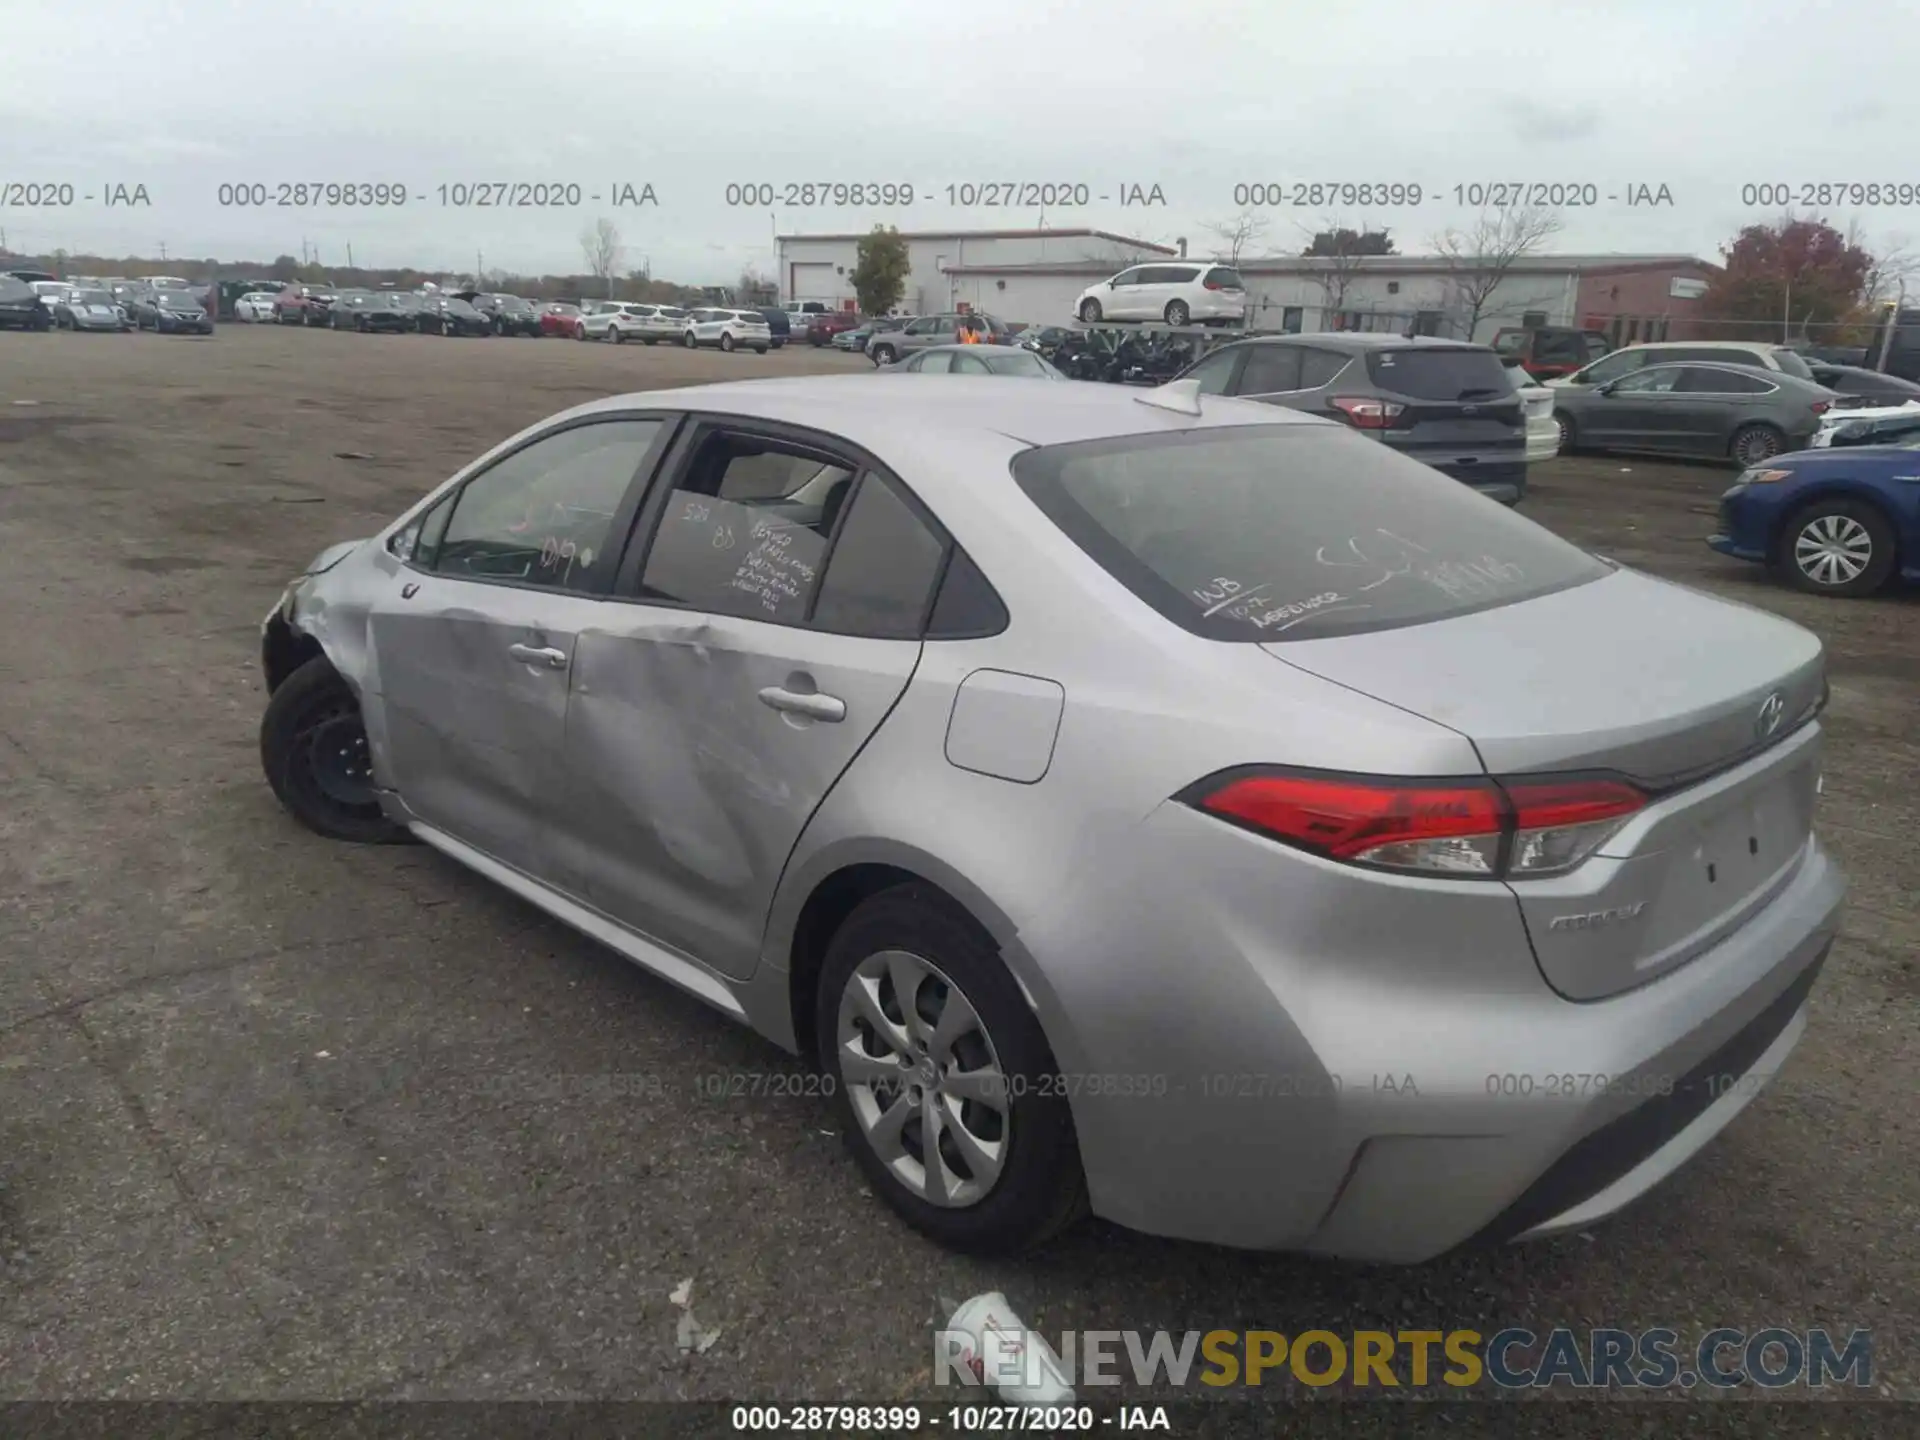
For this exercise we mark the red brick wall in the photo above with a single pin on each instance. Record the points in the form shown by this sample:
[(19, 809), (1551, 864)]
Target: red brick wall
[(1640, 295)]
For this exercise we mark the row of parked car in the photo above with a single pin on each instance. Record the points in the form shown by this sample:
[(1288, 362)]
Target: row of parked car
[(1833, 519), (165, 304)]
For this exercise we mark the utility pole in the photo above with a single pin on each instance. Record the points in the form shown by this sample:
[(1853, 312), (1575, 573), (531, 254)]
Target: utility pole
[(163, 250), (349, 255)]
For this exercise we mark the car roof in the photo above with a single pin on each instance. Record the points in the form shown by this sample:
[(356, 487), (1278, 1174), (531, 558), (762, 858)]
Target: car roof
[(1766, 345), (1357, 341), (872, 412)]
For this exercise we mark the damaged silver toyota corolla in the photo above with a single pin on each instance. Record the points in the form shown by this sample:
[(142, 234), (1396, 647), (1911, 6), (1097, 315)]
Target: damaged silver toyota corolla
[(1163, 805)]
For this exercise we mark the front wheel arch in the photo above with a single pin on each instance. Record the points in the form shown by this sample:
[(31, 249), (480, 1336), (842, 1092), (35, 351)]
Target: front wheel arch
[(1780, 554)]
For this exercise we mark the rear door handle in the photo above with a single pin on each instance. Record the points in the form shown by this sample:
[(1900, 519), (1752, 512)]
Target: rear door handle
[(817, 707), (539, 655)]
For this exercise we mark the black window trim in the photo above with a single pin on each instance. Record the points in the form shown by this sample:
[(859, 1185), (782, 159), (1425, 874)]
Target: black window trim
[(1237, 351), (638, 485), (697, 427)]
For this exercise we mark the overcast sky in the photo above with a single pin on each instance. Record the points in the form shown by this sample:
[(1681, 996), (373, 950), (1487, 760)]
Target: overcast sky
[(181, 96)]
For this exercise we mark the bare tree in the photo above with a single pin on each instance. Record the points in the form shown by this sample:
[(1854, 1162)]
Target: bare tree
[(752, 284), (600, 243), (1235, 235), (1342, 249), (1479, 258)]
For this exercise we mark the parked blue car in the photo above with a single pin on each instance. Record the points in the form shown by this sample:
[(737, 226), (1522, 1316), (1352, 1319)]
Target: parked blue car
[(1834, 522)]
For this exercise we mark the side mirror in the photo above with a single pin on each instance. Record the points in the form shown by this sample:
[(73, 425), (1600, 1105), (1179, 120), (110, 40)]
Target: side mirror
[(1608, 388)]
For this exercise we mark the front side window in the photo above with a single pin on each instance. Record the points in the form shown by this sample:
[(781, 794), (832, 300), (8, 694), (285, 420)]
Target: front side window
[(1270, 370), (544, 514), (746, 528), (1128, 277), (1613, 367), (1282, 533), (1215, 372), (1655, 380)]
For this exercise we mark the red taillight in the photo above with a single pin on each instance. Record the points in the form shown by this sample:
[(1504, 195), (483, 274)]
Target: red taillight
[(1473, 829), (1366, 414), (1820, 407), (1213, 285)]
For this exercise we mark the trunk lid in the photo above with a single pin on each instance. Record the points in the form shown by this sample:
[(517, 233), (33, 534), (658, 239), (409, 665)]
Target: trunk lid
[(1699, 700)]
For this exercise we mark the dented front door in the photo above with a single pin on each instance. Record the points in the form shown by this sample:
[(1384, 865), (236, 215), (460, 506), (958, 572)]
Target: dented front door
[(698, 746)]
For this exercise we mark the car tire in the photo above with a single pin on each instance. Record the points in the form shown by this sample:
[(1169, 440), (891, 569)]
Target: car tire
[(649, 339), (913, 933), (816, 344), (883, 354), (1838, 547), (1755, 444), (688, 340), (1089, 312), (726, 342), (314, 750), (1569, 439), (616, 335), (761, 349), (1177, 313)]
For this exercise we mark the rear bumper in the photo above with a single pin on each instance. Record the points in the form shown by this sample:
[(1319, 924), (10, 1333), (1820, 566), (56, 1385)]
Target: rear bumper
[(1327, 1089)]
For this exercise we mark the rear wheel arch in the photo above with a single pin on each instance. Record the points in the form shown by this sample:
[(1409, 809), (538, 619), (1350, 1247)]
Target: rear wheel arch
[(838, 894)]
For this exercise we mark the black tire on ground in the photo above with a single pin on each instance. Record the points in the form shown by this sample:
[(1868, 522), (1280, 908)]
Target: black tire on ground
[(1041, 1189), (761, 349), (314, 751), (1839, 523), (1177, 312), (1090, 311), (616, 335)]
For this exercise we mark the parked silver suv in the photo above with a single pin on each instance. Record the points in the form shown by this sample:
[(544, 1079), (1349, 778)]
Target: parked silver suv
[(1624, 362), (887, 346)]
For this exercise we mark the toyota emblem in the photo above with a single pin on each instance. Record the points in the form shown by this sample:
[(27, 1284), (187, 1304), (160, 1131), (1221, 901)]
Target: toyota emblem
[(1773, 710)]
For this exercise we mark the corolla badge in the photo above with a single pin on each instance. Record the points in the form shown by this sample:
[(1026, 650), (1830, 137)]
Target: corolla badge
[(1773, 710), (1594, 919)]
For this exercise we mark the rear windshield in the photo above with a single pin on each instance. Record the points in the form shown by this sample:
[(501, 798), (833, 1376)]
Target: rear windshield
[(1224, 278), (12, 289), (1438, 374), (1792, 364), (1282, 532)]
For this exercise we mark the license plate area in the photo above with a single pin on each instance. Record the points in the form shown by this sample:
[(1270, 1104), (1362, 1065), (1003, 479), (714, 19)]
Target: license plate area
[(1748, 838)]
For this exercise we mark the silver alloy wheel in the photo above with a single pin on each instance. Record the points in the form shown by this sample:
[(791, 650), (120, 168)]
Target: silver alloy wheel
[(1756, 445), (1833, 549), (1560, 426), (923, 1078)]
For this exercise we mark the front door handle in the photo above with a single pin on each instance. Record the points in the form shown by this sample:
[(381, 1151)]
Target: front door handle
[(539, 655), (817, 707)]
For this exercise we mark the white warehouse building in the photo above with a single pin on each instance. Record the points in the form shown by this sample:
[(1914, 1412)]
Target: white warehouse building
[(1035, 277), (820, 267)]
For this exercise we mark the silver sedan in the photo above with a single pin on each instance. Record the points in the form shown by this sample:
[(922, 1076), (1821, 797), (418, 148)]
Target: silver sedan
[(1012, 361), (1169, 806)]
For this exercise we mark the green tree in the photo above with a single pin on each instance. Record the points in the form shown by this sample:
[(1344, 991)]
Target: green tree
[(1784, 277), (285, 267), (880, 272)]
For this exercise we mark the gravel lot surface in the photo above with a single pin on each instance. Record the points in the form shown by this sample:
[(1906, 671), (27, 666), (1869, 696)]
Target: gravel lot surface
[(286, 1119)]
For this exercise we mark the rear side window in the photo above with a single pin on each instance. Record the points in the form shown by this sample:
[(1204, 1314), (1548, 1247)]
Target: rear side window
[(882, 569), (1271, 370), (1438, 374), (1318, 367), (1720, 380), (1276, 533)]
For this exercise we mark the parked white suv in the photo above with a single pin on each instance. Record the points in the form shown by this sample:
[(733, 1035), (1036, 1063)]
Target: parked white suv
[(1175, 293), (728, 329), (622, 320), (1623, 362)]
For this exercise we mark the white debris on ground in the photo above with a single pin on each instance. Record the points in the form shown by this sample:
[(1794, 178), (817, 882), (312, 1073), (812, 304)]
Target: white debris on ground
[(692, 1337)]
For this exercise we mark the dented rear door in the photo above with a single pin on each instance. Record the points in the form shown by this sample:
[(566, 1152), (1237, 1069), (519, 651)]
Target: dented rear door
[(699, 743)]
